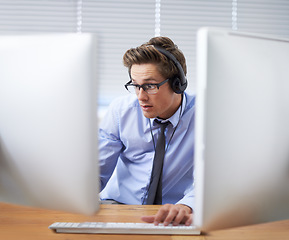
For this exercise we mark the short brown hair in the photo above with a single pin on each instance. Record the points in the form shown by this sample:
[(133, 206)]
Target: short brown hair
[(146, 53)]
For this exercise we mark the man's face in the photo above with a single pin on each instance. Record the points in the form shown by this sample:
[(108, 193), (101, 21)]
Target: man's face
[(165, 102)]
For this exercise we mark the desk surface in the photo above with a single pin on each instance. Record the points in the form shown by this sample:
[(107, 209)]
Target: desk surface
[(17, 222)]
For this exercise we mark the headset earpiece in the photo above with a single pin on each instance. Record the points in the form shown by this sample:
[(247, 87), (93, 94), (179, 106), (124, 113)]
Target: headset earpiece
[(178, 82), (177, 86)]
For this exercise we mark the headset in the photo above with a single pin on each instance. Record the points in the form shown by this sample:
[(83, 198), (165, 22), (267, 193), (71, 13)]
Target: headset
[(178, 82)]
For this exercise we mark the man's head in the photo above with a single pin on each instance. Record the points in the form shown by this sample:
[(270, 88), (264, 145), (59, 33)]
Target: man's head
[(147, 65)]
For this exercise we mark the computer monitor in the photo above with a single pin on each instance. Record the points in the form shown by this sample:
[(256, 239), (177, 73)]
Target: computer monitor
[(242, 129), (48, 121)]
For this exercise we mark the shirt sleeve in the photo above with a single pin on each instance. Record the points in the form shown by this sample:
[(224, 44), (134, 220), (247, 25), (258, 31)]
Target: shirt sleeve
[(189, 197), (110, 144)]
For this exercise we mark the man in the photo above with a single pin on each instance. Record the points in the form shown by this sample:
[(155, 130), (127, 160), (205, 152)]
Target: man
[(129, 134)]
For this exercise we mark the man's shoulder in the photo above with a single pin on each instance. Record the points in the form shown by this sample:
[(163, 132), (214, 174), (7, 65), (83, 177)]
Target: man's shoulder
[(190, 100)]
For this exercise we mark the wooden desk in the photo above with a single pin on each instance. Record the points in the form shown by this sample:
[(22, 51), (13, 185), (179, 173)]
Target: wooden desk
[(17, 222)]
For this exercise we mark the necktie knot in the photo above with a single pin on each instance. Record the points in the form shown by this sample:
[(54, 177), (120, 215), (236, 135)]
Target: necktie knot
[(163, 125)]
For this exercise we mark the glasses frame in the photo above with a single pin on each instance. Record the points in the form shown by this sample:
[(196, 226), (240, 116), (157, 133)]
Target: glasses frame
[(143, 86)]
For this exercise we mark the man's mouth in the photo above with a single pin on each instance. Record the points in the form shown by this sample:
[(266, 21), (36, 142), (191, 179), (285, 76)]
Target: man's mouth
[(146, 107)]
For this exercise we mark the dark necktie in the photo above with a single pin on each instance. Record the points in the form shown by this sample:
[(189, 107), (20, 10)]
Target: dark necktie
[(155, 188)]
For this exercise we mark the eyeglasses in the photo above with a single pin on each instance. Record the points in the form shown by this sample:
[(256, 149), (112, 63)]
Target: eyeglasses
[(149, 88)]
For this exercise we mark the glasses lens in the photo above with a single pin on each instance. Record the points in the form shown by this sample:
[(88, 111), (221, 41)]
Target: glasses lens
[(151, 89)]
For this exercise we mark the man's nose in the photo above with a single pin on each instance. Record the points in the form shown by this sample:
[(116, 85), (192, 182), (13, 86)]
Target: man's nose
[(142, 95)]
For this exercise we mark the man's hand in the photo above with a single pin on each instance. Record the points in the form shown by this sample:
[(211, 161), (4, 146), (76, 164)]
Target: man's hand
[(170, 213)]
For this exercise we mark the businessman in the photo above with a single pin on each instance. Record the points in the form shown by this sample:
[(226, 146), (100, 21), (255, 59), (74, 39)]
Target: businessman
[(146, 139)]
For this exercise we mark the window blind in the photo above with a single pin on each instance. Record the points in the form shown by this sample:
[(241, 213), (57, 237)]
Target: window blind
[(180, 21), (21, 16), (263, 16), (121, 25)]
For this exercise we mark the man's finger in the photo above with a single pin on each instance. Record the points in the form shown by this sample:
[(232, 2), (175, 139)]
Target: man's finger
[(171, 215), (148, 219), (180, 217), (190, 220)]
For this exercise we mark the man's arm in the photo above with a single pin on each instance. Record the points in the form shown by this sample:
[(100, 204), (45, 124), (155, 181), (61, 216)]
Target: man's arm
[(109, 144)]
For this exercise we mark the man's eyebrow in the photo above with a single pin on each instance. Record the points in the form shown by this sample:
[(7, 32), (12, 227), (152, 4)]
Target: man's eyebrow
[(146, 80)]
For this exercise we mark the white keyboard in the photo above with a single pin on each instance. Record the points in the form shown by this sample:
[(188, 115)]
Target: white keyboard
[(122, 228)]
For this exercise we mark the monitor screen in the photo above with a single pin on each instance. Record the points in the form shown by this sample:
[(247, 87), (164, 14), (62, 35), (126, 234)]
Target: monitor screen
[(242, 133), (48, 122)]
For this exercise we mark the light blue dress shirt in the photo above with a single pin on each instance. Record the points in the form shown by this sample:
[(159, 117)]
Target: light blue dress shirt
[(126, 153)]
